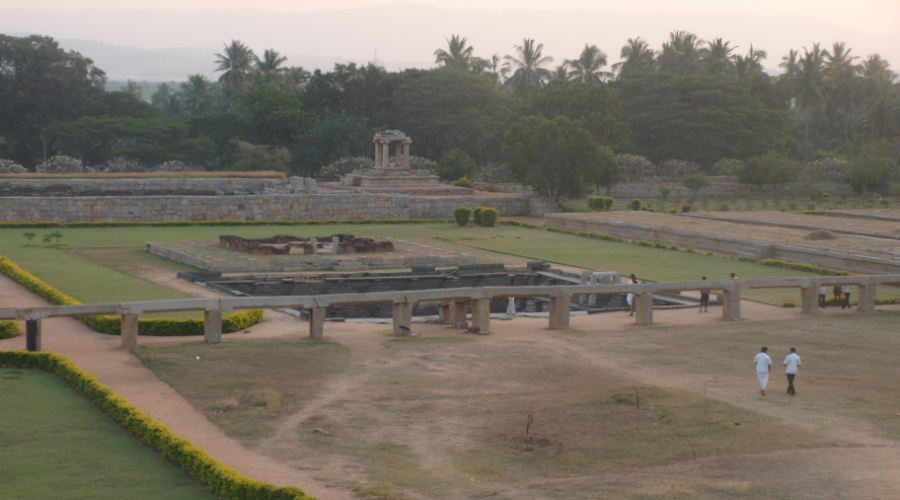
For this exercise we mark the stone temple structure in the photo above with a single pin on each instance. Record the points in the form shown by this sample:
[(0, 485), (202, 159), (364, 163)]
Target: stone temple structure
[(391, 170)]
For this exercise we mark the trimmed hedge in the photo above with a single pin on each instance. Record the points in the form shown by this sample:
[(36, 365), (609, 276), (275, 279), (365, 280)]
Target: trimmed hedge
[(461, 215), (9, 328), (112, 325), (221, 479), (487, 216)]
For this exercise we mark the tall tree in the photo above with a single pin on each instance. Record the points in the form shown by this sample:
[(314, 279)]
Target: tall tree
[(842, 81), (458, 54), (198, 95), (637, 58), (587, 68), (808, 89), (528, 75), (681, 54), (236, 63), (270, 69), (881, 97), (717, 58), (750, 66)]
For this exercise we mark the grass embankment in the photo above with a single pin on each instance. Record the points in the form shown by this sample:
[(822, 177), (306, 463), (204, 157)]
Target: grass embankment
[(111, 259), (58, 445)]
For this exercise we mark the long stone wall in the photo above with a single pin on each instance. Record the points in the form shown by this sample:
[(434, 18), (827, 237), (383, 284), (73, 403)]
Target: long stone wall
[(188, 186), (727, 245), (284, 207)]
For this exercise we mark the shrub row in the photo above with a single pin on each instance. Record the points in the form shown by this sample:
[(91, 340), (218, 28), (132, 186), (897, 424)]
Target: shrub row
[(223, 223), (600, 202), (113, 324), (482, 216), (221, 479), (9, 329)]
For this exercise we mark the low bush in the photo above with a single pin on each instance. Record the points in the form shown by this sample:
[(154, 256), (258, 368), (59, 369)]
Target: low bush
[(9, 329), (461, 215), (635, 204), (489, 216), (476, 215)]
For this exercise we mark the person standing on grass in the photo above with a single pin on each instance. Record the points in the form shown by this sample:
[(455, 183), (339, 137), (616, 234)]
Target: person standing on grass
[(511, 305), (791, 362), (846, 291), (704, 299), (822, 290), (629, 298), (836, 291), (763, 364)]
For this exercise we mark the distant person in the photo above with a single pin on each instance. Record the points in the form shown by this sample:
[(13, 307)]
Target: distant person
[(629, 298), (836, 291), (846, 291), (733, 276), (704, 299), (791, 362), (511, 305), (822, 291), (763, 364)]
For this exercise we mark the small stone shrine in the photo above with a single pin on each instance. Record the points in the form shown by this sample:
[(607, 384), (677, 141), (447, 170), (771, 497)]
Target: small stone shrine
[(290, 245), (391, 171)]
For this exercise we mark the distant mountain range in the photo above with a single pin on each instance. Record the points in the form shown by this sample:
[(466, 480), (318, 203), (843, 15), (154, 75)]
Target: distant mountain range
[(169, 46)]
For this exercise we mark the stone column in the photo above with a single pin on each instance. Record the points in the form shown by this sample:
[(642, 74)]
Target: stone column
[(559, 312), (731, 305), (33, 335), (460, 317), (315, 245), (385, 155), (481, 315), (316, 323), (129, 331), (335, 244), (445, 314), (212, 326), (402, 315), (643, 308), (809, 297), (866, 300), (378, 147)]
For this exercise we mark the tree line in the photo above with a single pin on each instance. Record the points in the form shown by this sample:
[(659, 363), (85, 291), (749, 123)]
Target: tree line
[(562, 129)]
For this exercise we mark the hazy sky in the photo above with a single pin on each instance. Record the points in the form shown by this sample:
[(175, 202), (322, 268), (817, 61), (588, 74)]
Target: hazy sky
[(876, 16)]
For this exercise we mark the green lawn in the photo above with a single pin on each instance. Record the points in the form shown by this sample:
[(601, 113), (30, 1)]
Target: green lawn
[(65, 267), (58, 445)]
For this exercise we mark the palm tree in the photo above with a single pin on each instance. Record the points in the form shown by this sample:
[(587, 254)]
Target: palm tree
[(197, 94), (681, 54), (808, 88), (881, 95), (842, 80), (528, 72), (749, 66), (717, 58), (294, 79), (236, 62), (586, 69), (637, 57), (269, 67), (561, 73), (458, 56)]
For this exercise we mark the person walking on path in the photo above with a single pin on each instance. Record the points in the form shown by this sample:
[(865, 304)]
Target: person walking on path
[(822, 291), (791, 362), (704, 299), (763, 364), (846, 291), (629, 298), (511, 305)]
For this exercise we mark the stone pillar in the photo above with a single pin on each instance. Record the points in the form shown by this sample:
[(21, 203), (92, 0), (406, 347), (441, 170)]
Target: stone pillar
[(335, 244), (33, 335), (378, 147), (129, 331), (481, 315), (316, 323), (385, 155), (212, 326), (315, 245), (559, 312), (731, 305), (405, 147), (460, 313), (866, 300), (643, 308), (445, 314), (809, 297), (402, 315)]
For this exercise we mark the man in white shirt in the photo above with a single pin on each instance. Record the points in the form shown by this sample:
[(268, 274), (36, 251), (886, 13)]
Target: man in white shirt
[(763, 364), (791, 362), (846, 291)]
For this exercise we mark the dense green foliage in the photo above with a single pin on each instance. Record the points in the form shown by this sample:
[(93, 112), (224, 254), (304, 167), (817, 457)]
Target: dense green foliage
[(221, 479), (461, 215), (9, 329)]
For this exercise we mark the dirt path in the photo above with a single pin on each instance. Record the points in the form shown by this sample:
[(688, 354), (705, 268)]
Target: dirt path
[(101, 355)]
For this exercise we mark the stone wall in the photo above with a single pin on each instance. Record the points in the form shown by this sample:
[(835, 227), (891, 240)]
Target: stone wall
[(650, 190), (212, 186), (298, 207)]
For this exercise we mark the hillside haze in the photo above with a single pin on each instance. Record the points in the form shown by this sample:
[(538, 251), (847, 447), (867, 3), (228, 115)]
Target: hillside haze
[(168, 45)]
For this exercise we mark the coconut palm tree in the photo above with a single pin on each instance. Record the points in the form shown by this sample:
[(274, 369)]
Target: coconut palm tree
[(637, 57), (527, 71), (842, 81), (717, 58), (749, 66), (458, 56), (236, 62), (586, 69), (269, 67), (198, 95), (881, 95), (808, 87), (681, 54)]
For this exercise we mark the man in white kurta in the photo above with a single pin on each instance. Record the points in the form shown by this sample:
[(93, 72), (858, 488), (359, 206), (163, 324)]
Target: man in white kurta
[(763, 364)]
